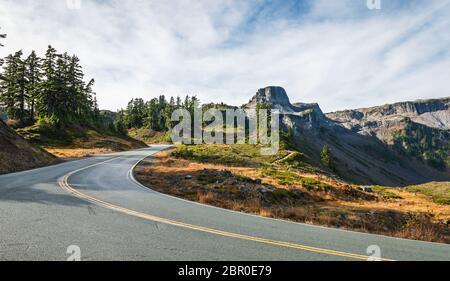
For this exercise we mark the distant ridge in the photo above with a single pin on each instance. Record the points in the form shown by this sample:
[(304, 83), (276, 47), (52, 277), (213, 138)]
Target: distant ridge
[(365, 142)]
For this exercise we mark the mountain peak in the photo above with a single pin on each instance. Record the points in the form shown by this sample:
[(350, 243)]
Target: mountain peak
[(274, 95), (277, 98)]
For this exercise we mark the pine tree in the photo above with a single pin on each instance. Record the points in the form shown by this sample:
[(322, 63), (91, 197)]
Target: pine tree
[(135, 113), (152, 114), (33, 75), (13, 86), (170, 107), (52, 89), (80, 98), (327, 157), (2, 36), (121, 128), (8, 86), (21, 80), (47, 95)]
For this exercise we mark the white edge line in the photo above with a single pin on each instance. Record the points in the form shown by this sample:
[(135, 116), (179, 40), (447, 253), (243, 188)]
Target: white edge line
[(131, 175), (90, 199)]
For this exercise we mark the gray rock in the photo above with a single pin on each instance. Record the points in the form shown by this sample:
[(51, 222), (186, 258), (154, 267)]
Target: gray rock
[(381, 120), (367, 189)]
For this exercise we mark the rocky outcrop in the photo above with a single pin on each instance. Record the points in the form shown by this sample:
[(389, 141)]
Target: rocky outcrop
[(277, 98), (298, 114), (359, 139), (273, 95), (383, 121)]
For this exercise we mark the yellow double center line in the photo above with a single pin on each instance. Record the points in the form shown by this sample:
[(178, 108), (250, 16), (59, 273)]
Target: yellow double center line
[(63, 183)]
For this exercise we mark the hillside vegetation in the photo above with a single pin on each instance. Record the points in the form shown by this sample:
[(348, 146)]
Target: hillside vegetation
[(16, 154), (425, 143), (287, 186), (77, 141), (149, 136), (49, 103), (371, 146), (439, 192)]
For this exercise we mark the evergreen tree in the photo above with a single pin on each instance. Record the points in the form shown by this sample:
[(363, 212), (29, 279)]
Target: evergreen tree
[(33, 75), (167, 114), (2, 36), (52, 88), (47, 95), (21, 80), (13, 86), (8, 85), (135, 113), (327, 157), (121, 127)]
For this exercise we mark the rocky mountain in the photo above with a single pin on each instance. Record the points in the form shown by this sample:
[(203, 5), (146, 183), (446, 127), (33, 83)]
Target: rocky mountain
[(420, 129), (382, 121), (369, 146), (17, 154)]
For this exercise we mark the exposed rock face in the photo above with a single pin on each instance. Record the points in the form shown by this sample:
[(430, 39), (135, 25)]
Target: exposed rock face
[(299, 114), (382, 121), (272, 95), (358, 138)]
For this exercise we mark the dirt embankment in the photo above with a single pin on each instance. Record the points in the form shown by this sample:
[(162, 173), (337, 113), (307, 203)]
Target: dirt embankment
[(76, 141), (16, 154)]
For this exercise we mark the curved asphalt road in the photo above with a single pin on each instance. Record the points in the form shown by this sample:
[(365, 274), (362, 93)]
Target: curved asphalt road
[(95, 204)]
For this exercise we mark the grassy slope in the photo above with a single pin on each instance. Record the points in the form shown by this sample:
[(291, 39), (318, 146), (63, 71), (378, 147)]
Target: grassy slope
[(439, 192), (16, 154), (76, 141), (150, 137), (287, 186)]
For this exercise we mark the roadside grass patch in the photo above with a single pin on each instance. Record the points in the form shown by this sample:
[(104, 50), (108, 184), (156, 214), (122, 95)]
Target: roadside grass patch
[(149, 136), (290, 178), (385, 193), (243, 155), (75, 141), (439, 192), (301, 197)]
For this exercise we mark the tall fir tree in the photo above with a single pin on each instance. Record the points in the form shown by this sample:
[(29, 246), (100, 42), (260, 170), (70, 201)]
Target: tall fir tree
[(21, 80), (8, 86), (52, 88), (47, 95), (13, 86), (34, 77), (2, 36)]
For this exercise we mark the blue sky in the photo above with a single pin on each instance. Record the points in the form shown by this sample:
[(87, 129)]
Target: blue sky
[(338, 53)]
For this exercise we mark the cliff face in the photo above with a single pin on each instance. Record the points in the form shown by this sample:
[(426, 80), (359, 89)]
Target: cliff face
[(16, 154), (271, 95), (383, 121), (301, 114), (361, 140)]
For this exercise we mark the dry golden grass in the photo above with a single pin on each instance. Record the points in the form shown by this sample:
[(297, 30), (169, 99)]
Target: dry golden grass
[(76, 152), (92, 144), (410, 202), (413, 216), (206, 198)]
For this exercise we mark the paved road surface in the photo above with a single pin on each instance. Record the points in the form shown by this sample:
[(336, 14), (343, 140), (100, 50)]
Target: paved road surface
[(96, 205)]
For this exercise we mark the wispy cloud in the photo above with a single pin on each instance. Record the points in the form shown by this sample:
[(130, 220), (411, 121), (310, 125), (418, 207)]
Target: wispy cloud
[(337, 53)]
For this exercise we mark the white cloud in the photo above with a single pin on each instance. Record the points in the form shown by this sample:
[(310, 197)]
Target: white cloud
[(341, 55)]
